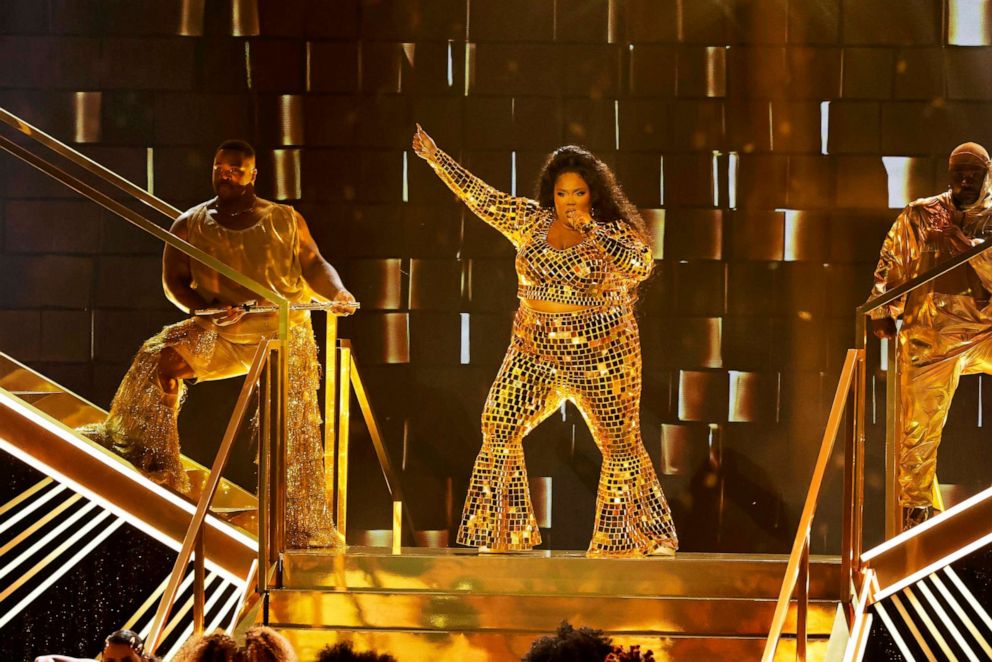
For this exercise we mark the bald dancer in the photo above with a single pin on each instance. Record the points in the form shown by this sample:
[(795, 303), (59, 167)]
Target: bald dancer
[(947, 324)]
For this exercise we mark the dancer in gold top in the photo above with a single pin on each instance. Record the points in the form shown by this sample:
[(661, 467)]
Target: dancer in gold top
[(947, 324), (582, 250), (271, 244)]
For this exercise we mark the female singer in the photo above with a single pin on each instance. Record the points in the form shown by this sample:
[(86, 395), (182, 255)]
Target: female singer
[(582, 250)]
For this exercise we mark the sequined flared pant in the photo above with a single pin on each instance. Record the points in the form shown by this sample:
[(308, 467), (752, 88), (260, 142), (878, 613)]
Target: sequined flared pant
[(592, 358), (925, 394), (142, 424)]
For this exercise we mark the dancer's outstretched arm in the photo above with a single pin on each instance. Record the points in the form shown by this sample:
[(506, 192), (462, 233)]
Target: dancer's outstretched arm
[(509, 214)]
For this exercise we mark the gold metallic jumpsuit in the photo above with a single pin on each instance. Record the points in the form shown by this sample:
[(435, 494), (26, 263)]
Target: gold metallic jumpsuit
[(591, 357), (946, 330), (142, 425)]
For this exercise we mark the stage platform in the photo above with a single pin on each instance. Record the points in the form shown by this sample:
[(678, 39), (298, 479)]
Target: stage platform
[(423, 603), (457, 604)]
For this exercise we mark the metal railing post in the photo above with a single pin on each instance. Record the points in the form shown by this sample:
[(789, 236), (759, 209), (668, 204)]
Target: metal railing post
[(860, 387), (199, 580), (893, 523), (194, 530), (847, 557), (802, 602), (799, 555), (264, 477), (344, 416), (330, 402)]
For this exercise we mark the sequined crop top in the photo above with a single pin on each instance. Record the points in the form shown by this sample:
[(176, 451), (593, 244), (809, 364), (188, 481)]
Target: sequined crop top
[(602, 269)]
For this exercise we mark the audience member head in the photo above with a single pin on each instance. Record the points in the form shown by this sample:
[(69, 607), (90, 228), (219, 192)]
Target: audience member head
[(123, 646), (570, 645), (632, 654), (263, 644), (216, 647), (343, 652)]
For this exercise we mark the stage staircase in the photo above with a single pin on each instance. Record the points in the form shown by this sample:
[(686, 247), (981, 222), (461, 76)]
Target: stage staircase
[(928, 592), (444, 604), (435, 604), (81, 501)]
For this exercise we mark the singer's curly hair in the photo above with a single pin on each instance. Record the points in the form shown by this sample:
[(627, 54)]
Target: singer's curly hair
[(607, 199)]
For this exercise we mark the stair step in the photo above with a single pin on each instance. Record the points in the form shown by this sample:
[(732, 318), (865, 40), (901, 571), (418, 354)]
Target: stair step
[(558, 572), (66, 408), (446, 646), (538, 613)]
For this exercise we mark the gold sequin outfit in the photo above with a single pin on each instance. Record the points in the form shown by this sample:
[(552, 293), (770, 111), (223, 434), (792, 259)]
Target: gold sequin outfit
[(946, 330), (591, 357), (142, 424)]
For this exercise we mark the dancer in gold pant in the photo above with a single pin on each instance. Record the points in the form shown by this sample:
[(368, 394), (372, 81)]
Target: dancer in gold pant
[(574, 338), (142, 426), (270, 244), (947, 324)]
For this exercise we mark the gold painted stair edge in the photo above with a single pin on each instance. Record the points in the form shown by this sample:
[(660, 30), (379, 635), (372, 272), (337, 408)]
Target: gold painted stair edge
[(464, 570), (73, 410), (933, 544), (505, 646), (445, 611), (58, 451)]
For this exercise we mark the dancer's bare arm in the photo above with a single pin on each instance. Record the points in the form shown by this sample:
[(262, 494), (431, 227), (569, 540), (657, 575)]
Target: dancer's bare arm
[(320, 275)]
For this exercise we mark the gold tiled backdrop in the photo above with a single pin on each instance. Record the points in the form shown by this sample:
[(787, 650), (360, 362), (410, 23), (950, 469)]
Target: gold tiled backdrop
[(767, 141)]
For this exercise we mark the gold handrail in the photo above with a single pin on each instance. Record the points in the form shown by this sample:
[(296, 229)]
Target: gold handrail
[(140, 221), (88, 164), (798, 566), (939, 270), (194, 534), (350, 379), (184, 247)]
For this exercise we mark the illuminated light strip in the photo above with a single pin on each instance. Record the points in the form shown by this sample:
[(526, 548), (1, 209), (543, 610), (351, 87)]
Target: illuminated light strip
[(959, 610), (946, 619), (143, 609), (179, 591), (465, 352), (894, 632), (242, 594), (188, 631), (824, 126), (732, 181), (140, 524), (30, 509), (863, 644), (229, 606), (716, 178), (34, 528), (124, 514), (112, 461), (908, 620), (513, 172), (48, 539), (178, 616), (929, 524), (862, 621), (928, 622), (894, 588), (61, 570), (25, 494), (982, 614)]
